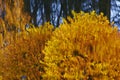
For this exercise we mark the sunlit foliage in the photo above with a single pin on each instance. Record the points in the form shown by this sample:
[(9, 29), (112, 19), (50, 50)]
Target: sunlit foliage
[(83, 48)]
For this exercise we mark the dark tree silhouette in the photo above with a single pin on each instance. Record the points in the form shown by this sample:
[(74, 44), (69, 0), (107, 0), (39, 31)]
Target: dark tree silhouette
[(47, 9), (104, 6), (27, 6)]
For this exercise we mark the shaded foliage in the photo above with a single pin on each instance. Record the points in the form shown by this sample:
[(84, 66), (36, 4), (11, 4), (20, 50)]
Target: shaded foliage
[(21, 57)]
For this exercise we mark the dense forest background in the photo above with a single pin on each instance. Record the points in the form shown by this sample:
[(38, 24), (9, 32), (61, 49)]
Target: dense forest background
[(41, 11), (54, 10)]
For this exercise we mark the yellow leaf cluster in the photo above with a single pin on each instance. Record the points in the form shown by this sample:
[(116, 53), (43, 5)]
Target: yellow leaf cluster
[(21, 57), (85, 47)]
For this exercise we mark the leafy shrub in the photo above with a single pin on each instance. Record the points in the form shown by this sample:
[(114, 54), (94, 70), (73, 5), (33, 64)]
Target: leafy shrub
[(83, 48), (22, 55)]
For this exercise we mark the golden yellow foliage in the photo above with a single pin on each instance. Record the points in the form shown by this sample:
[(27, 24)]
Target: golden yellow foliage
[(83, 48), (15, 17), (21, 56)]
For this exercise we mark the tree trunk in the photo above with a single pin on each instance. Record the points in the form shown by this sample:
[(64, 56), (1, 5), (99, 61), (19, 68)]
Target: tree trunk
[(27, 6), (47, 9), (104, 6)]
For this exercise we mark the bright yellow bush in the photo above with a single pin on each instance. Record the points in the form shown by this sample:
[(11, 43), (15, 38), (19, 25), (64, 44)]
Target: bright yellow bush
[(86, 47), (22, 55)]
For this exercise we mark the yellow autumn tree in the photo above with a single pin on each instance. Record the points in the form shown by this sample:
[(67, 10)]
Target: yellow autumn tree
[(83, 48), (15, 17), (20, 51), (21, 57)]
